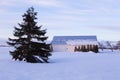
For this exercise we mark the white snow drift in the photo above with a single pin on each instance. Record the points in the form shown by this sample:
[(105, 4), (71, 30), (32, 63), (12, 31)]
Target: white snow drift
[(63, 66)]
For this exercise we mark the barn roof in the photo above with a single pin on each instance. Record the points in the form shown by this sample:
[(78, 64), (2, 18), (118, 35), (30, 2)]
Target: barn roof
[(64, 39)]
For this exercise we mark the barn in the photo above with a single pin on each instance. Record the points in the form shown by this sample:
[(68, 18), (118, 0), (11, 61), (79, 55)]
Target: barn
[(74, 43)]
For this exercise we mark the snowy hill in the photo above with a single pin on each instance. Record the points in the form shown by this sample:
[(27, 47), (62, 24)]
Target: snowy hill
[(3, 42), (63, 66)]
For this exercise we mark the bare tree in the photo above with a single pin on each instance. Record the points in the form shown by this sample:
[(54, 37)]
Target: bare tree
[(118, 45), (109, 45), (101, 46)]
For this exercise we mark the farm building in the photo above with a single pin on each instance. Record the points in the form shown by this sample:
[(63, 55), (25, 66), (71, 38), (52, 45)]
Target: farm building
[(74, 43)]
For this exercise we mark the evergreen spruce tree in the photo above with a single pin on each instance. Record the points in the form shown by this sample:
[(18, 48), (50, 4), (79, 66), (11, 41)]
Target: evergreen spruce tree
[(79, 49), (75, 49), (82, 48), (96, 48), (88, 47), (91, 47), (29, 41)]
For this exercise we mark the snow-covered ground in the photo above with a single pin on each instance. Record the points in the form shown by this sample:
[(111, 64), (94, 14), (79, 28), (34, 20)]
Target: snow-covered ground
[(3, 42), (63, 66)]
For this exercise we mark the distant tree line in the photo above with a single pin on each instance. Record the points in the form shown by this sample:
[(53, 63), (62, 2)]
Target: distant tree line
[(109, 45), (118, 45), (86, 48)]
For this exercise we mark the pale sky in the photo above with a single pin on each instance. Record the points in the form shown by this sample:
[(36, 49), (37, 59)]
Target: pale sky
[(65, 17)]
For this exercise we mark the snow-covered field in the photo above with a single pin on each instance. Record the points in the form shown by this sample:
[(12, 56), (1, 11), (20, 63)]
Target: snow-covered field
[(64, 66)]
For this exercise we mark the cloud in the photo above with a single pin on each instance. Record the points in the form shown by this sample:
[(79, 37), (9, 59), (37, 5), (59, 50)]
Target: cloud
[(2, 11), (92, 6), (113, 28), (5, 3), (48, 3), (43, 3), (76, 11)]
